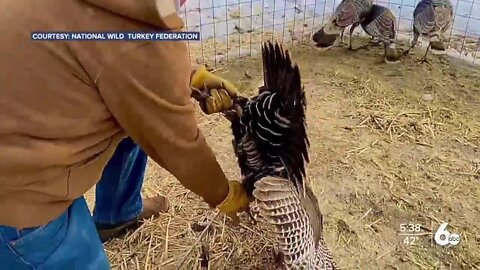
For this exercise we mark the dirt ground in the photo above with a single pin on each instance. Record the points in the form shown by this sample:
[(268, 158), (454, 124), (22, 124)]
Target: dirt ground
[(390, 145)]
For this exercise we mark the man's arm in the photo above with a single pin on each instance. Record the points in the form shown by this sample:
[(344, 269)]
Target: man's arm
[(147, 91)]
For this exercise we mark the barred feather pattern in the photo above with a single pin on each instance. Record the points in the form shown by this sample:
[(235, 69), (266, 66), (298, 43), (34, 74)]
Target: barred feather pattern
[(433, 17), (271, 145), (349, 12), (270, 137), (380, 23), (278, 203), (259, 145)]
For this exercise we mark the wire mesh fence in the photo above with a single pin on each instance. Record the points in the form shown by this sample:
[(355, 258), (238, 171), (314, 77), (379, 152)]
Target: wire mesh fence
[(231, 29)]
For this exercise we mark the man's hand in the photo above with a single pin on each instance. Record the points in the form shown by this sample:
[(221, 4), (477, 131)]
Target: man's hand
[(213, 100), (236, 201), (214, 93)]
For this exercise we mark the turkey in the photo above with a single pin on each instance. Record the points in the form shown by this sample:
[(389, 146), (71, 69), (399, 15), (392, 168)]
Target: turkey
[(271, 146), (348, 13), (432, 19), (380, 23)]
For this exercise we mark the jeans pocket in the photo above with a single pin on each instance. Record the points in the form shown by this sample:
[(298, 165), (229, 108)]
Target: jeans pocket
[(35, 246)]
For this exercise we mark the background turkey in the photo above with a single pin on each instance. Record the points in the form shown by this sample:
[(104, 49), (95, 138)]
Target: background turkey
[(380, 24), (432, 18), (271, 146), (348, 13)]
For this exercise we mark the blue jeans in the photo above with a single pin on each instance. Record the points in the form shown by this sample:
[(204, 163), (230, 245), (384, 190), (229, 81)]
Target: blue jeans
[(71, 241)]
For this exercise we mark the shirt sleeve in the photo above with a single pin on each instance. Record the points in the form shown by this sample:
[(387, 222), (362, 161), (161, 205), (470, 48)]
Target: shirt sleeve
[(147, 91)]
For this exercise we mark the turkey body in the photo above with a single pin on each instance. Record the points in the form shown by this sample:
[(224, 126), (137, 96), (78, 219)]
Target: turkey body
[(348, 13), (297, 221), (380, 23), (271, 145), (432, 19)]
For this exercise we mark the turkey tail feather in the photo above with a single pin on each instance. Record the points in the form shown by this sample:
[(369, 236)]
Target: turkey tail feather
[(280, 75), (282, 78)]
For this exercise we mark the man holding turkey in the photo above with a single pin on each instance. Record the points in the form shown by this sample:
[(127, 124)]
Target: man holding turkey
[(72, 114)]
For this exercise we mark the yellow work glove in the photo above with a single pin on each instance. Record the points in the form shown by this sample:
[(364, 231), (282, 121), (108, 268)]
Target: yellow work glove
[(236, 201), (214, 93)]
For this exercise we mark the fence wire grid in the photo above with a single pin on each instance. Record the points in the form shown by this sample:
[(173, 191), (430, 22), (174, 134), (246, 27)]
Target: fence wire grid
[(235, 28)]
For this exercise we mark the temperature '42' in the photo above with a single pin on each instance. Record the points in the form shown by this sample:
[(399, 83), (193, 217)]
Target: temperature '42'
[(444, 237), (410, 240)]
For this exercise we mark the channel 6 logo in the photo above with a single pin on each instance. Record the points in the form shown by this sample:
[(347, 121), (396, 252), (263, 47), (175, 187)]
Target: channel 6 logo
[(444, 237)]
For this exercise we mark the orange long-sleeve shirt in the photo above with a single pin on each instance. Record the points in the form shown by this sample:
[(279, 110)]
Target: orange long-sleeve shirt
[(64, 106)]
